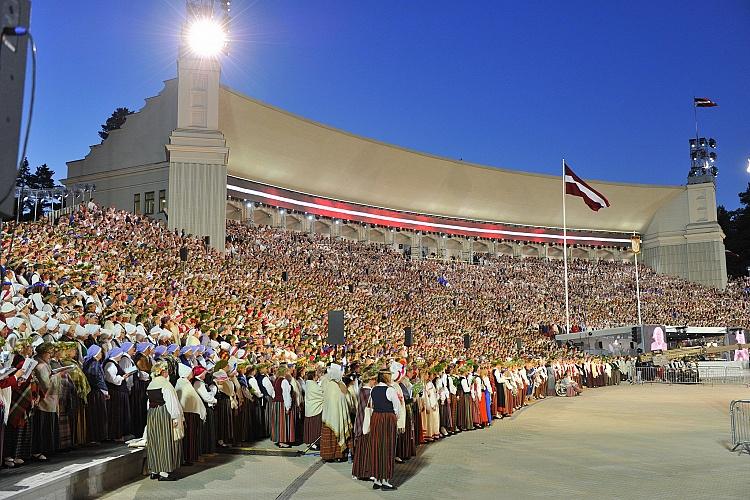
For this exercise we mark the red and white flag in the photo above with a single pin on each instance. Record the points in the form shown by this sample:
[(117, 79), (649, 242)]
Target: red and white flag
[(577, 187), (703, 102)]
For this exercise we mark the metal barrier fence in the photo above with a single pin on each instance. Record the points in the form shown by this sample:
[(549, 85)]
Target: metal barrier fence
[(739, 413), (701, 375)]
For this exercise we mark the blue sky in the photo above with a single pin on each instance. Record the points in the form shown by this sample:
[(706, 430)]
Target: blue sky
[(607, 85)]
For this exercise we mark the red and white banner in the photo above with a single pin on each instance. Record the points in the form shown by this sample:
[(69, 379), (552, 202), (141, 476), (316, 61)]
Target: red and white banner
[(577, 187)]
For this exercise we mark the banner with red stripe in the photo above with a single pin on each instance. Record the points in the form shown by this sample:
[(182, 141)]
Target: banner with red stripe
[(576, 186)]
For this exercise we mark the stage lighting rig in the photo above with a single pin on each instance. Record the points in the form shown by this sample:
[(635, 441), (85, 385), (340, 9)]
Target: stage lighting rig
[(207, 28), (703, 159)]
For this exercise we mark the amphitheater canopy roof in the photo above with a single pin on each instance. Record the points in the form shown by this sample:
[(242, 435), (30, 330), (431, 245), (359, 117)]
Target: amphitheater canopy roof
[(275, 147)]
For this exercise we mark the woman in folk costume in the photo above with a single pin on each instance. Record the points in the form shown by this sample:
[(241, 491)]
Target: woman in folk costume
[(164, 425), (551, 380), (464, 420), (431, 403), (7, 384), (478, 409), (282, 411), (497, 380), (489, 397), (118, 404), (313, 408), (386, 408), (141, 379), (239, 398), (81, 389), (441, 385), (451, 382), (226, 401), (408, 424), (18, 433), (256, 419), (207, 393), (96, 406), (194, 413), (45, 431), (266, 387), (67, 402), (361, 460), (247, 406), (336, 424)]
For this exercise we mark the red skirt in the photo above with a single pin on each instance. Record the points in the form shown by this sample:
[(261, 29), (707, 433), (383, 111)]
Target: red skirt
[(312, 428), (382, 445), (329, 445)]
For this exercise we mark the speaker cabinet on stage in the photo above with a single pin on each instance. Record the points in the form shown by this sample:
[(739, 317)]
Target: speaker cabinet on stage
[(351, 288), (408, 340), (284, 276), (335, 327), (467, 341), (183, 254), (519, 344)]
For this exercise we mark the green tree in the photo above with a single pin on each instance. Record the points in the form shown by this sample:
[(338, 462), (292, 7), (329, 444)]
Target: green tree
[(24, 173), (42, 178), (114, 122), (736, 227)]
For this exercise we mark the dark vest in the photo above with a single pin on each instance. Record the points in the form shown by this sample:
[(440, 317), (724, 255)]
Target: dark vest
[(380, 402), (259, 378), (278, 396), (155, 398)]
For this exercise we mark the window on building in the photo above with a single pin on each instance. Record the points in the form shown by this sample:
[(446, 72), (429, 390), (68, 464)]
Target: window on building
[(162, 200), (149, 208), (137, 203)]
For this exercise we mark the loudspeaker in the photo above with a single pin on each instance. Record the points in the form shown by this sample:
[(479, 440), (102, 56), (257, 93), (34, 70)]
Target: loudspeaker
[(467, 341), (13, 13), (183, 254), (351, 288), (599, 345), (519, 344), (284, 276), (207, 241), (335, 327), (408, 340)]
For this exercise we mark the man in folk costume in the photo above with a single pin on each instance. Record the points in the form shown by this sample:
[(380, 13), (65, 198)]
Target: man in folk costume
[(164, 425), (283, 418), (336, 424), (194, 413), (313, 408), (266, 387)]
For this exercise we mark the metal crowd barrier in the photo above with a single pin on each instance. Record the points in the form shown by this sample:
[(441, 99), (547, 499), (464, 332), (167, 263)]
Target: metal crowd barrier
[(739, 413), (702, 375)]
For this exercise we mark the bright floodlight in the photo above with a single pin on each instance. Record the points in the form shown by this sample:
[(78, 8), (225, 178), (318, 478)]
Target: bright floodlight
[(206, 37)]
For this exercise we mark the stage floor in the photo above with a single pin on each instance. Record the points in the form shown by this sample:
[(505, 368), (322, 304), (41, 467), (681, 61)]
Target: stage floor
[(651, 441)]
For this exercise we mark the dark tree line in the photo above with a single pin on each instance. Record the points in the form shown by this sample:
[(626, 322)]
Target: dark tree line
[(736, 227)]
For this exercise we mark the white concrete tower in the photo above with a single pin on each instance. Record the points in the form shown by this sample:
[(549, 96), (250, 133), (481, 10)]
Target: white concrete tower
[(197, 151)]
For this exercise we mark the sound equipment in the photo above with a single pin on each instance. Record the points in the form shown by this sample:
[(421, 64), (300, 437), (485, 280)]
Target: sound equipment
[(335, 327), (408, 340), (207, 241), (467, 341), (183, 254), (13, 51), (519, 344), (284, 276), (599, 345), (351, 288)]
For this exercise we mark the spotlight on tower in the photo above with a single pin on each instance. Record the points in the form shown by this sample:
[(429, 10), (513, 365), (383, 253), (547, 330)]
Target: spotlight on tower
[(206, 37)]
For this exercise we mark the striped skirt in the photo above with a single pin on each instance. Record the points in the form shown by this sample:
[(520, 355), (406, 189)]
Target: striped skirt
[(312, 428), (329, 445), (463, 412), (406, 442), (44, 432), (509, 402), (446, 415), (18, 439), (80, 429), (282, 430), (454, 413), (224, 421), (191, 443), (96, 416), (362, 458), (382, 445), (163, 452)]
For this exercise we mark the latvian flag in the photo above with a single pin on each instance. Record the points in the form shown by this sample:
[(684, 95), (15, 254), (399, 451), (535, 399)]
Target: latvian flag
[(702, 102), (577, 187)]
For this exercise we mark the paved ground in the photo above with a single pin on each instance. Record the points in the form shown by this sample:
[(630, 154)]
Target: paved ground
[(618, 442)]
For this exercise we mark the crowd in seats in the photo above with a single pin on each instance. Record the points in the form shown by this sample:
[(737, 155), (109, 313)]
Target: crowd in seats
[(124, 333)]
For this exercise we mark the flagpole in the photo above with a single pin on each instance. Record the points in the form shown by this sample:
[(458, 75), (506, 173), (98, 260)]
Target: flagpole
[(565, 251), (695, 114)]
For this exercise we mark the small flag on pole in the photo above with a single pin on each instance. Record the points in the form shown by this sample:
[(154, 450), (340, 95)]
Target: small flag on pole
[(703, 102), (577, 187)]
